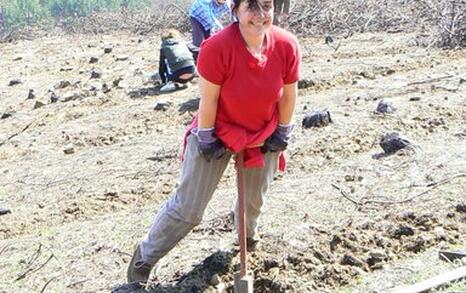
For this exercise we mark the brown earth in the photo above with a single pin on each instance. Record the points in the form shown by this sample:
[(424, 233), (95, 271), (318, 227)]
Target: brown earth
[(83, 176)]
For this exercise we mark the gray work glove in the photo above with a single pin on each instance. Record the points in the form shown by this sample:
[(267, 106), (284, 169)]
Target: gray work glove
[(278, 141), (210, 147)]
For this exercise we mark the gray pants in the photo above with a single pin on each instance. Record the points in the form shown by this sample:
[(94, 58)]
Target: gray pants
[(199, 179)]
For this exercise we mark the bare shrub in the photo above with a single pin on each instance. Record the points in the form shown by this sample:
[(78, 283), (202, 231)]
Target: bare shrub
[(452, 24), (349, 16)]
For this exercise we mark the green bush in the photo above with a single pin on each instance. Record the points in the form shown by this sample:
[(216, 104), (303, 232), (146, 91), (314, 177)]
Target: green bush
[(26, 12)]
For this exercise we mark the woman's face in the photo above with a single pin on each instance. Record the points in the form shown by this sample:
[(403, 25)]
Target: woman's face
[(255, 20)]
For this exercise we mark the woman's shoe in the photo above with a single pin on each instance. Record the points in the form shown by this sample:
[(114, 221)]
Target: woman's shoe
[(138, 270)]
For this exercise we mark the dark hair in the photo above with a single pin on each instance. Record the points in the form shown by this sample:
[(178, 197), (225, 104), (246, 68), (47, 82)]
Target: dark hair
[(252, 5)]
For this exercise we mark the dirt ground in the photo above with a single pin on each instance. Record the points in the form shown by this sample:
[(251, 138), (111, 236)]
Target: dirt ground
[(84, 175)]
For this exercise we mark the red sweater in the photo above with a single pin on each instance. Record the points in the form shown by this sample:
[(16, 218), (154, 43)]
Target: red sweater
[(247, 112)]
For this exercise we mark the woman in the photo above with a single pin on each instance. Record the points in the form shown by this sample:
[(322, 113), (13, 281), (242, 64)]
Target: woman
[(248, 84), (205, 18), (176, 62)]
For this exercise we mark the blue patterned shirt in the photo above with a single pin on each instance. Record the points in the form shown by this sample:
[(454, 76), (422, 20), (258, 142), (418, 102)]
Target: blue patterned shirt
[(209, 13)]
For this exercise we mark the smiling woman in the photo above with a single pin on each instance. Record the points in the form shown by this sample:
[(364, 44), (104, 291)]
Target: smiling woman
[(248, 85)]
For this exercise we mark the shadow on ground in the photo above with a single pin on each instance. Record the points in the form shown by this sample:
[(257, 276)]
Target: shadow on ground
[(197, 280)]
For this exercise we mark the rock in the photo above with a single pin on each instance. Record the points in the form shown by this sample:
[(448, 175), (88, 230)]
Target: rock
[(96, 73), (121, 58), (375, 256), (38, 105), (31, 94), (61, 84), (408, 215), (461, 208), (54, 98), (416, 245), (117, 81), (215, 280), (69, 149), (402, 230), (351, 260), (189, 106), (393, 142), (385, 107), (6, 115), (305, 83), (108, 49), (4, 211), (162, 106), (270, 263), (93, 60), (14, 82), (105, 88), (71, 97), (317, 119)]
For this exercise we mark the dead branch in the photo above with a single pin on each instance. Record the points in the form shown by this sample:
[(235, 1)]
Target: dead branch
[(345, 194), (16, 134), (430, 80), (430, 185), (29, 270), (46, 284)]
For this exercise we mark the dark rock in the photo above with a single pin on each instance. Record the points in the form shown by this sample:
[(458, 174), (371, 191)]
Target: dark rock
[(189, 106), (408, 215), (108, 49), (105, 88), (317, 119), (402, 230), (62, 84), (461, 208), (393, 142), (71, 97), (375, 257), (93, 60), (270, 263), (328, 40), (31, 94), (162, 106), (117, 81), (38, 105), (351, 260), (305, 83), (14, 82), (416, 245), (68, 150), (385, 107), (122, 58), (96, 74), (6, 115), (54, 98), (4, 211)]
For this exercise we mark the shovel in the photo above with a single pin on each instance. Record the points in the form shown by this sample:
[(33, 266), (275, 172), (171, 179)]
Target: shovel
[(243, 279)]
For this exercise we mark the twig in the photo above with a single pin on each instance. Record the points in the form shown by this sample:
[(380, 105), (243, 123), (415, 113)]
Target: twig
[(431, 187), (4, 249), (16, 134), (30, 271), (345, 194), (430, 80), (46, 284)]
